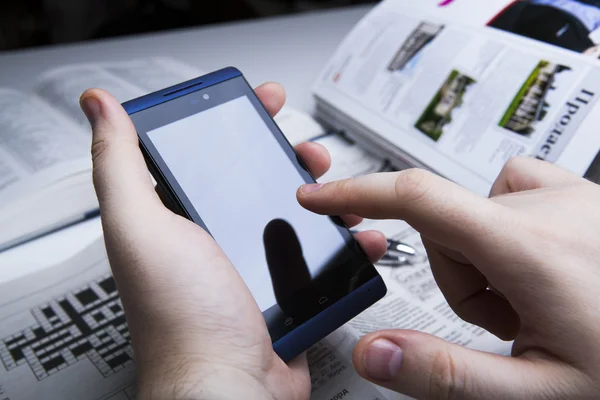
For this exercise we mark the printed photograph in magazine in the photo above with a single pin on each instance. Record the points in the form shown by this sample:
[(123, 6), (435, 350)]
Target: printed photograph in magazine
[(424, 34), (570, 24), (450, 97), (532, 102)]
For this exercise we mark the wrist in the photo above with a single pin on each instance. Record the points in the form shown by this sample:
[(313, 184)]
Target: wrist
[(197, 381)]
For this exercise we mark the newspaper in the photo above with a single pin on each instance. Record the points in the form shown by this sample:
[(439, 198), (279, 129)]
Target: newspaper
[(63, 333), (462, 86)]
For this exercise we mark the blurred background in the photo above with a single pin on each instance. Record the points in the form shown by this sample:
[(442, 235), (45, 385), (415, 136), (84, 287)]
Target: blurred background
[(27, 23)]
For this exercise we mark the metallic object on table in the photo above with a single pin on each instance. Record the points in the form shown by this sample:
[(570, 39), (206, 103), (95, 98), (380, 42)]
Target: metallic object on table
[(398, 254)]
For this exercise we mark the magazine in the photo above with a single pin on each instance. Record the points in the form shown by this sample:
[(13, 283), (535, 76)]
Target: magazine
[(459, 87)]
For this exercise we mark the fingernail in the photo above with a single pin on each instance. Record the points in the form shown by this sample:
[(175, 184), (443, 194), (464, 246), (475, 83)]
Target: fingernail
[(311, 188), (91, 108), (383, 360)]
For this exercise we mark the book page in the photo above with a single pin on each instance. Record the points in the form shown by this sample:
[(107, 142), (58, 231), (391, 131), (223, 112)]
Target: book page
[(37, 146), (464, 100), (152, 74), (45, 163), (126, 80)]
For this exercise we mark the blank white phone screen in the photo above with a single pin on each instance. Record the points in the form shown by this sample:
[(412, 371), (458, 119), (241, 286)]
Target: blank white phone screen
[(238, 179)]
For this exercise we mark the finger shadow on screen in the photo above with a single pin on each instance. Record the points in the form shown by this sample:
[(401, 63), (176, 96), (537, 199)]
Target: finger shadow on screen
[(289, 272), (296, 290)]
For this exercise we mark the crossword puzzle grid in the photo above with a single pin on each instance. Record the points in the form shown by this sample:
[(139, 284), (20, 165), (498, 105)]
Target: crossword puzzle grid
[(85, 323)]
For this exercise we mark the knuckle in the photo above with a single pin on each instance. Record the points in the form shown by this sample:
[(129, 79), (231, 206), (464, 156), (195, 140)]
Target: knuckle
[(516, 163), (99, 150), (516, 166), (412, 185), (344, 192), (511, 175), (444, 382)]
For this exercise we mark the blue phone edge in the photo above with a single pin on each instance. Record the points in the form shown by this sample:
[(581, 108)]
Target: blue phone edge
[(181, 89), (335, 316), (328, 320)]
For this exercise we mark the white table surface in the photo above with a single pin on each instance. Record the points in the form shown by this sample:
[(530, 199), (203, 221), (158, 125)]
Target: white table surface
[(289, 50)]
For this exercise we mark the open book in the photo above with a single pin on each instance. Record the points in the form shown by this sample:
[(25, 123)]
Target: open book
[(45, 165), (461, 86)]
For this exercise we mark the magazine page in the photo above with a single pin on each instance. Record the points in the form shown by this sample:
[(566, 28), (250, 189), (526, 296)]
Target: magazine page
[(569, 24), (474, 13), (464, 100)]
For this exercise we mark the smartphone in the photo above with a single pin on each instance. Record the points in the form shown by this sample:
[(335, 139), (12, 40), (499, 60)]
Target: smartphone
[(223, 163)]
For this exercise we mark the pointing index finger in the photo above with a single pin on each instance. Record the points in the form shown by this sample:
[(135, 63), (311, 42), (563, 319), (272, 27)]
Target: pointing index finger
[(436, 207)]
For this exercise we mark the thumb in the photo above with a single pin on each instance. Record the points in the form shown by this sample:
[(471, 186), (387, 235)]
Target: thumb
[(121, 178), (427, 367), (526, 173)]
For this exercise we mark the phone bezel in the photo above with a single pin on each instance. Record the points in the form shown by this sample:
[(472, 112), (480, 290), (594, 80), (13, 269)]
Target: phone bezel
[(332, 316)]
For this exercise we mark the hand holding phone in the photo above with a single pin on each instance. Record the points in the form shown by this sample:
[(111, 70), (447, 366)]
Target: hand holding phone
[(188, 310)]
